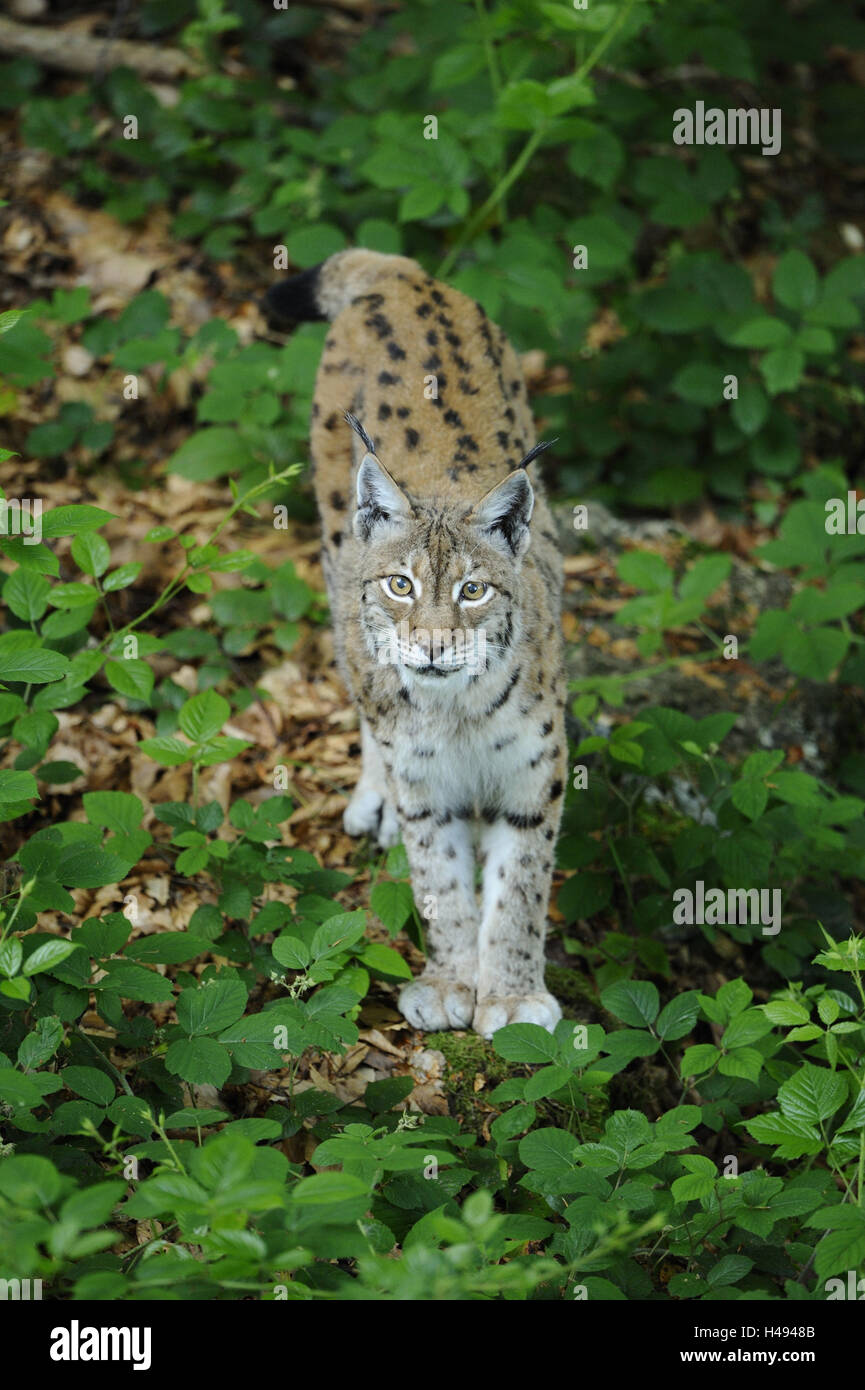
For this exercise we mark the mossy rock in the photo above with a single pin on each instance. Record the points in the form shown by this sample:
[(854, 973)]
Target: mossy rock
[(469, 1056)]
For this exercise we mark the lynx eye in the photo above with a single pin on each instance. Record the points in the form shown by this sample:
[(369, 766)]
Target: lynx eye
[(397, 585), (473, 590)]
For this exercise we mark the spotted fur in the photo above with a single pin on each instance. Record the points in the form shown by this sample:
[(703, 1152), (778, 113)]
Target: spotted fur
[(465, 760)]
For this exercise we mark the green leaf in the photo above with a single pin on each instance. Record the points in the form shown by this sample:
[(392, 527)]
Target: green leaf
[(328, 1189), (815, 653), (745, 1062), (130, 677), (42, 1043), (212, 1006), (17, 786), (812, 1094), (750, 797), (782, 369), (48, 955), (679, 1016), (643, 569), (210, 453), (120, 812), (89, 1083), (392, 903), (11, 954), (168, 751), (786, 1012), (203, 716), (795, 281), (729, 1270), (26, 593), (699, 1059), (548, 1150), (200, 1061), (526, 1042), (843, 1246), (167, 948), (122, 577), (32, 664), (72, 520), (421, 201), (762, 332), (384, 960), (635, 1002), (794, 1138), (750, 410), (91, 553)]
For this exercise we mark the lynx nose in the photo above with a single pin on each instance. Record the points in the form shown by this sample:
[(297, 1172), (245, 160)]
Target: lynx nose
[(437, 647)]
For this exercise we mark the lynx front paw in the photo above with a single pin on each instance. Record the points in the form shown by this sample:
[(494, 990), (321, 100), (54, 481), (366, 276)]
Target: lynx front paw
[(435, 1005), (495, 1010), (369, 813)]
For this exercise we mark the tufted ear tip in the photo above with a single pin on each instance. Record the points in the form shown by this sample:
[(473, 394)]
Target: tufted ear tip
[(379, 498), (505, 511)]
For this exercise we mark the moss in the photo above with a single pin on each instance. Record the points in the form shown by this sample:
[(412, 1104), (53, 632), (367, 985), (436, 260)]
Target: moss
[(468, 1056), (576, 994)]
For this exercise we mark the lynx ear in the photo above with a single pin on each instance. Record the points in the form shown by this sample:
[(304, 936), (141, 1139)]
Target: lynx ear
[(379, 499), (504, 513)]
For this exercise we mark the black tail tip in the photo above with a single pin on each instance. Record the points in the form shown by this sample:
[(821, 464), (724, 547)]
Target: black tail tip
[(295, 300)]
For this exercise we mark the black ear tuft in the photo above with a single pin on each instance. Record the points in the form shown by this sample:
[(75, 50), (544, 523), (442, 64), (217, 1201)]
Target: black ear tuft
[(295, 300), (538, 449), (359, 430)]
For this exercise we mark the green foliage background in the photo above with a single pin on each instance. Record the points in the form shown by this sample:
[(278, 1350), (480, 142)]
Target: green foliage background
[(554, 131)]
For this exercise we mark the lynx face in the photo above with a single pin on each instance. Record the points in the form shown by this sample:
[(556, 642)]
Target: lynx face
[(439, 586)]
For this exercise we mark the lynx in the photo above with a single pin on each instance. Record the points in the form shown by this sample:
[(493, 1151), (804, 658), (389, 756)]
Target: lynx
[(444, 577)]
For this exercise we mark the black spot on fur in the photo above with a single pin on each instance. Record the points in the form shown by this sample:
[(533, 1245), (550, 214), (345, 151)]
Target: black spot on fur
[(555, 790), (423, 311), (384, 411), (388, 379), (336, 539), (453, 418), (403, 412), (395, 352), (523, 820), (506, 693), (411, 438), (382, 327), (337, 501), (331, 421), (467, 441)]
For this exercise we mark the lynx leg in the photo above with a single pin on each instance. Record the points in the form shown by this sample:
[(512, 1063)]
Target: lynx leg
[(370, 810), (441, 857)]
